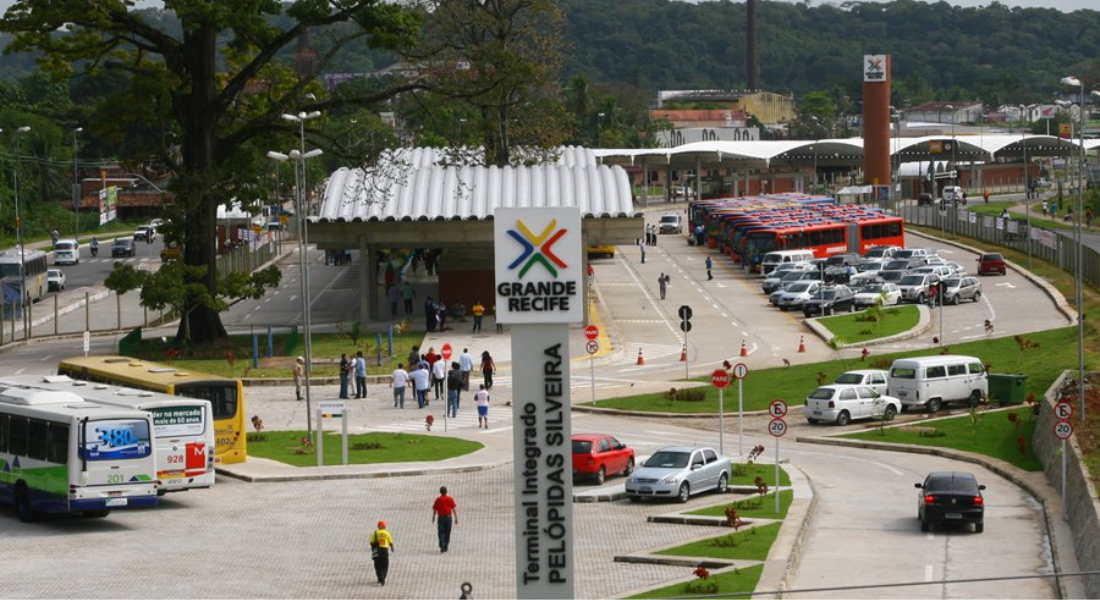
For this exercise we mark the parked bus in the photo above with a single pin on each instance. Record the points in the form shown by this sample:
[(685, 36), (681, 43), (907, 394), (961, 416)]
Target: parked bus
[(226, 396), (183, 428), (34, 272), (855, 234), (60, 454)]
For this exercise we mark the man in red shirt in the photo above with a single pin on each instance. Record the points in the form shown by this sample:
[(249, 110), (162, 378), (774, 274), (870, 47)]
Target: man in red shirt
[(447, 513)]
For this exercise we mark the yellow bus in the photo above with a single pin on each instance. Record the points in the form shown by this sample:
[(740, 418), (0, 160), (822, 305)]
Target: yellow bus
[(226, 395)]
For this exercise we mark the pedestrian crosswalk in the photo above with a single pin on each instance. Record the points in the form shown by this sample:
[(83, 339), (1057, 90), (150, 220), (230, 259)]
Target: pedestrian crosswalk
[(414, 420)]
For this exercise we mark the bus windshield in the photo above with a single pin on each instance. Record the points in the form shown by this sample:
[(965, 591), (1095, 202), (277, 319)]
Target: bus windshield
[(116, 439), (221, 394)]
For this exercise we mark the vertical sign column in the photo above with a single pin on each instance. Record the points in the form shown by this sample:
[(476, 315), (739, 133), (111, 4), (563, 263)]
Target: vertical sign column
[(876, 122), (539, 279)]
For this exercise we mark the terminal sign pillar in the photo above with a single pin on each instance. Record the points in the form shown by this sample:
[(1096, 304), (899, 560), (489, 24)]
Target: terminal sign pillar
[(539, 275), (876, 119)]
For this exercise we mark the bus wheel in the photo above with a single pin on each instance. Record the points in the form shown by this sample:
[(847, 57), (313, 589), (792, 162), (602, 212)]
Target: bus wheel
[(96, 514), (23, 504)]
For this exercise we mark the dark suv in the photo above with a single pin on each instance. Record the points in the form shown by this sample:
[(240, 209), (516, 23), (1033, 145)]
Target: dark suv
[(950, 497), (123, 247)]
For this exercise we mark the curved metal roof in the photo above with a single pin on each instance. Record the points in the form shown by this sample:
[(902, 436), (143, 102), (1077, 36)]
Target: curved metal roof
[(437, 193), (766, 150)]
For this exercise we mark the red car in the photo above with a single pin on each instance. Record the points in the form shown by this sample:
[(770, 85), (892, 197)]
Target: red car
[(990, 263), (600, 455)]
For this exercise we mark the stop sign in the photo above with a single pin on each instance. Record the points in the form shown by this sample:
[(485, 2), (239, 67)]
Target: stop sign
[(591, 332), (719, 378), (446, 352)]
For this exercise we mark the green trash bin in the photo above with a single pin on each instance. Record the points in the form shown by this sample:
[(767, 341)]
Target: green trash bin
[(1007, 388)]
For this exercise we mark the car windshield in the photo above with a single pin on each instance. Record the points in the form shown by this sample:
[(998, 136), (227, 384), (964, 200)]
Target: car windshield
[(835, 261), (912, 280), (826, 294), (875, 253), (903, 373), (960, 483), (793, 276), (850, 378), (122, 242), (895, 265), (991, 257), (798, 288), (871, 265), (906, 254), (670, 219), (52, 273), (870, 289), (582, 446), (890, 276), (668, 460), (822, 393), (952, 283)]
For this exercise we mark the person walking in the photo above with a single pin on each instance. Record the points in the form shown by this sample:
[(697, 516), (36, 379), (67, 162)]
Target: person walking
[(1045, 207), (488, 367), (466, 364), (360, 375), (381, 545), (439, 375), (662, 282), (345, 374), (421, 384), (641, 247), (299, 376), (481, 398), (478, 311), (710, 267), (444, 515), (454, 387), (407, 294), (394, 294), (414, 357), (429, 313), (398, 380), (1088, 217)]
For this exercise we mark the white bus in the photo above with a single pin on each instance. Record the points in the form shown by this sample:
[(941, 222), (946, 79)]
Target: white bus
[(60, 454), (34, 272), (183, 428)]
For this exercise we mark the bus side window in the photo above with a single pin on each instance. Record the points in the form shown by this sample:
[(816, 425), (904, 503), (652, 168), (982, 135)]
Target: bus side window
[(58, 450), (3, 433), (36, 439), (17, 440)]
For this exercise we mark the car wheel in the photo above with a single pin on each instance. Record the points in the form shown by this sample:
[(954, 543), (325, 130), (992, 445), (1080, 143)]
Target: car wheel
[(843, 418), (634, 498), (925, 525), (955, 300), (685, 493), (974, 399), (27, 514), (979, 527), (601, 475), (629, 468), (934, 405), (889, 412), (921, 299), (977, 296), (723, 484), (811, 421)]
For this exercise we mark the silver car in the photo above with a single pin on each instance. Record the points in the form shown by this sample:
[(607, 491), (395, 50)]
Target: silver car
[(916, 287), (678, 472), (961, 288), (796, 294)]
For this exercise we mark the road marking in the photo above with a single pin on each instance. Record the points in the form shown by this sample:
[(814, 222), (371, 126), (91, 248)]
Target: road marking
[(928, 572), (1006, 284), (45, 358), (20, 371), (930, 536)]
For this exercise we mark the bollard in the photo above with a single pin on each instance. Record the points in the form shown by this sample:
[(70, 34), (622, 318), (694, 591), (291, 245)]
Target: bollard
[(55, 314), (378, 345), (270, 341), (255, 351), (389, 348)]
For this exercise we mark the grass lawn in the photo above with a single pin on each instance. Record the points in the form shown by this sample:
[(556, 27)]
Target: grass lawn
[(994, 435), (1048, 354), (747, 544), (855, 328), (753, 507), (327, 348), (746, 474), (363, 449), (729, 583)]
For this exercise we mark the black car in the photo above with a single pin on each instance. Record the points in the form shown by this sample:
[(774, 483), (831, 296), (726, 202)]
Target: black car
[(925, 199), (123, 247), (950, 497), (828, 300)]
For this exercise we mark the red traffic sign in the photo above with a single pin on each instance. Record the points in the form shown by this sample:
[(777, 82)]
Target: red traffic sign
[(777, 427), (777, 409), (1063, 429), (446, 352), (740, 370), (1063, 411), (592, 346), (591, 332), (719, 379)]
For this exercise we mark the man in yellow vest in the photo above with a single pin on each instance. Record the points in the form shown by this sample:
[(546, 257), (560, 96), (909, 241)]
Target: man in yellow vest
[(478, 311), (381, 544)]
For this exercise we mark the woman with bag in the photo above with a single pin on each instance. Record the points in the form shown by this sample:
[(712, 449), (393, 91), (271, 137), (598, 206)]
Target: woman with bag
[(381, 544), (345, 373), (488, 367)]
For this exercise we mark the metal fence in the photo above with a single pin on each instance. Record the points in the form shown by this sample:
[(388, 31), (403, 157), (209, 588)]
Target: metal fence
[(1056, 247)]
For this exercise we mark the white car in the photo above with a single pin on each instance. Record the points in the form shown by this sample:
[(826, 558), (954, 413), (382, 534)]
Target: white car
[(671, 223), (886, 294), (772, 281), (796, 294), (940, 271), (872, 378), (881, 252), (55, 280), (840, 404)]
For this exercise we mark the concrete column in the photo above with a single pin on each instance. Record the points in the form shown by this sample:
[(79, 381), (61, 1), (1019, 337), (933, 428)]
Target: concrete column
[(585, 297), (365, 285), (372, 282), (698, 178), (645, 185), (668, 183)]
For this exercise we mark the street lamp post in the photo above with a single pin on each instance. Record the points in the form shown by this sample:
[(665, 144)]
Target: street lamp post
[(76, 188), (25, 300), (1027, 200), (954, 167), (1079, 238), (599, 129), (299, 156)]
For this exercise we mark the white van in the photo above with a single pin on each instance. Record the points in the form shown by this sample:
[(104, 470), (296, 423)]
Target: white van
[(774, 259), (66, 252), (932, 381)]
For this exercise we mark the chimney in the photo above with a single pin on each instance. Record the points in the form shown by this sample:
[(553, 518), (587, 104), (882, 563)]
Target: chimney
[(751, 43)]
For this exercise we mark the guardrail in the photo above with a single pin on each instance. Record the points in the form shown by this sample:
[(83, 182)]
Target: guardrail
[(1054, 246)]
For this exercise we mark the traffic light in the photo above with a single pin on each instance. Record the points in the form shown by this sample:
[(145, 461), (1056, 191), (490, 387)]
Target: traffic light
[(685, 318)]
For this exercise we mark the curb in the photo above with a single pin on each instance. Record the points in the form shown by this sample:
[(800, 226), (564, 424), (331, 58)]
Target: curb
[(663, 415), (315, 475)]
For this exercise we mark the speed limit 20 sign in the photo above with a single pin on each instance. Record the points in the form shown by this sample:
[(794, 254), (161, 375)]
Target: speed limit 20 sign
[(1063, 429), (777, 427)]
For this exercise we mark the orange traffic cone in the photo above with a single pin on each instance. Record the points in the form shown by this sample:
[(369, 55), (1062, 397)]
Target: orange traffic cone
[(802, 344), (641, 361), (744, 348), (683, 353)]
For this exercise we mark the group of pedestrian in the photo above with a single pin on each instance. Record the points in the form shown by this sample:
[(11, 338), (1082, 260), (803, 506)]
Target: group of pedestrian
[(445, 519), (435, 314), (651, 234), (353, 368)]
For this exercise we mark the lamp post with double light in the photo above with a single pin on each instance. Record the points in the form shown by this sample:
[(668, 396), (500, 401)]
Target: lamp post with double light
[(25, 300), (1078, 237), (954, 167), (599, 129)]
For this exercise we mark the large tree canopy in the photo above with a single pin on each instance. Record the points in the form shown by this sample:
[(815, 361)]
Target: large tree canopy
[(213, 81)]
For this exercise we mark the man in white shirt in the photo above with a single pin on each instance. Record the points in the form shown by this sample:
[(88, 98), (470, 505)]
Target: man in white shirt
[(422, 383), (398, 380), (466, 364), (439, 375), (481, 398)]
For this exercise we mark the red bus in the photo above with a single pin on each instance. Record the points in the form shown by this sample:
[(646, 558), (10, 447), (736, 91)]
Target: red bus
[(825, 238)]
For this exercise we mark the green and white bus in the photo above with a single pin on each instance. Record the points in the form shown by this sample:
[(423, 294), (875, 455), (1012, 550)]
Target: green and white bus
[(183, 428), (60, 454)]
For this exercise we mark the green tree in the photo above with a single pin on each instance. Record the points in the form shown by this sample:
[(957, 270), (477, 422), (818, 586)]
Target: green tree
[(200, 81)]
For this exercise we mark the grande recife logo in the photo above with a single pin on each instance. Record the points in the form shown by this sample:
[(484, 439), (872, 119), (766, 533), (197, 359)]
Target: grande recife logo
[(537, 249), (538, 265)]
